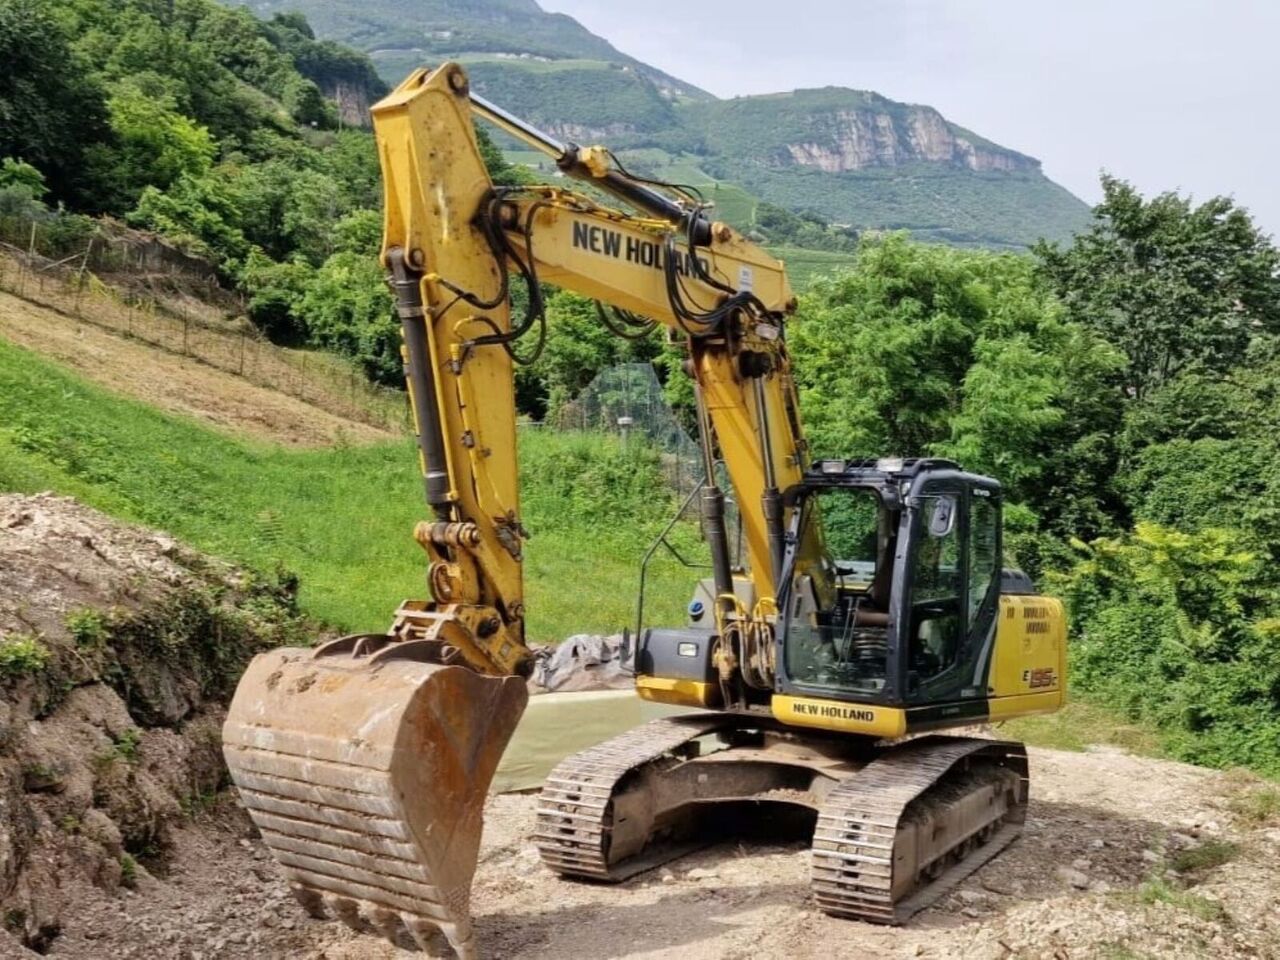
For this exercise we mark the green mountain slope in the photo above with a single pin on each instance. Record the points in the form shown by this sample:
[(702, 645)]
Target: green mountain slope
[(403, 34), (852, 157)]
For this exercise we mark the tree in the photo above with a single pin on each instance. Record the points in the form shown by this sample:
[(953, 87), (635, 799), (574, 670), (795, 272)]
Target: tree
[(932, 351), (1182, 630), (21, 189), (22, 175), (154, 144), (276, 295), (577, 348), (1169, 283), (1204, 450), (51, 107), (347, 307), (199, 213)]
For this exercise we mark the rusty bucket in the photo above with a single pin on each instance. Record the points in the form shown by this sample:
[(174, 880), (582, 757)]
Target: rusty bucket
[(367, 777)]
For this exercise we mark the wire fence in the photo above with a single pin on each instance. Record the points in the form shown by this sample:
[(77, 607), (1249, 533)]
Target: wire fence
[(628, 400), (167, 313)]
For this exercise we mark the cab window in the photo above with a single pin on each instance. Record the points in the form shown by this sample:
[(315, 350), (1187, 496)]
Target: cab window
[(937, 600), (984, 544)]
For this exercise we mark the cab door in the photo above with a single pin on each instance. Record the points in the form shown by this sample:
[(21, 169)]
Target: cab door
[(952, 591)]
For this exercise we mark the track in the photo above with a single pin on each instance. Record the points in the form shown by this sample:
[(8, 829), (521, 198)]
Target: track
[(862, 846), (576, 820), (894, 832)]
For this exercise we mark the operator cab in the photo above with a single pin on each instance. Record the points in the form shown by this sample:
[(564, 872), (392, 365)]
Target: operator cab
[(892, 582)]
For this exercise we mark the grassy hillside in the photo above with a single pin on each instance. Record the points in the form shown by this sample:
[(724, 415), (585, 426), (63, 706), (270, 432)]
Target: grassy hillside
[(340, 518), (959, 207), (591, 93)]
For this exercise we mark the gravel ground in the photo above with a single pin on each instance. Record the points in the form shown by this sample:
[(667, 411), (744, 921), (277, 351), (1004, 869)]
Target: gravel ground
[(1101, 825)]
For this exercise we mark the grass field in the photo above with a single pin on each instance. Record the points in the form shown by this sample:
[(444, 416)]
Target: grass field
[(341, 518), (1081, 724), (804, 265)]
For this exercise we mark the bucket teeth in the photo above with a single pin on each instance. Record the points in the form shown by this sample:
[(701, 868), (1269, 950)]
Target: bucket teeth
[(368, 784)]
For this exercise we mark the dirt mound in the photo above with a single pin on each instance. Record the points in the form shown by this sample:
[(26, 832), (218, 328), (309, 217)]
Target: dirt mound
[(118, 647)]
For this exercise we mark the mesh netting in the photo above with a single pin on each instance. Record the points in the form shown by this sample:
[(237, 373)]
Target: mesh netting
[(628, 400)]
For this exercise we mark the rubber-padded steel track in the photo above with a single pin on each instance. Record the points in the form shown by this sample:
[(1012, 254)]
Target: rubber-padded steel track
[(853, 844), (575, 810)]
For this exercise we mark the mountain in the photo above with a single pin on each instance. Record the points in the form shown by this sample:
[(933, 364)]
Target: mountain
[(850, 156), (400, 35)]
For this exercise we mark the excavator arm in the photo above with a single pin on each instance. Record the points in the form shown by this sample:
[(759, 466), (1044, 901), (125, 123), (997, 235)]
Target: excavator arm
[(453, 243)]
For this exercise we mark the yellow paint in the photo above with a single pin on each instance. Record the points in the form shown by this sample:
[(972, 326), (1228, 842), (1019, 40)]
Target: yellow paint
[(1029, 664), (859, 718), (434, 183), (1006, 708), (433, 178), (685, 693)]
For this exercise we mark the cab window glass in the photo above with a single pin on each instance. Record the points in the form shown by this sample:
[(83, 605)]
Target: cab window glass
[(983, 561), (849, 527), (937, 570), (933, 639)]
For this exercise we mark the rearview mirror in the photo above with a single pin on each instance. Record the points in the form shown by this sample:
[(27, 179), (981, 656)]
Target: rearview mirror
[(943, 517)]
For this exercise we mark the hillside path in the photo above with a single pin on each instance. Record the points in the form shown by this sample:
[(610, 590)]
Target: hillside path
[(175, 383)]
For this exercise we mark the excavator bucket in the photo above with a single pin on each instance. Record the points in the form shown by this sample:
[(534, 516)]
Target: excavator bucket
[(367, 775)]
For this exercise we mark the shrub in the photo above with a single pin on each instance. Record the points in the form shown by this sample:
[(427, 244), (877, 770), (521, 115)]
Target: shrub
[(21, 655), (1181, 630)]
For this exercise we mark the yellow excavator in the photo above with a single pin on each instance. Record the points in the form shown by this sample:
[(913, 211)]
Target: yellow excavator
[(870, 613)]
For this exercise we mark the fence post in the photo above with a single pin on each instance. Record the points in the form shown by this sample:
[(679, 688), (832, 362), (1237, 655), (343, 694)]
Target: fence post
[(242, 353), (185, 325), (84, 265)]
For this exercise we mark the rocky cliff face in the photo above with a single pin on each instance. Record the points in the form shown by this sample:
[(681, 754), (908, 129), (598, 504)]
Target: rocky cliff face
[(587, 134), (353, 101), (856, 139)]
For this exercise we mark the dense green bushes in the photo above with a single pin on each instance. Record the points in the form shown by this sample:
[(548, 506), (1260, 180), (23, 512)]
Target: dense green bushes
[(933, 351), (1183, 630)]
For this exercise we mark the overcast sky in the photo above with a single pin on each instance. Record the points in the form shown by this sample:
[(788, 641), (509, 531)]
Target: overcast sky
[(1169, 94)]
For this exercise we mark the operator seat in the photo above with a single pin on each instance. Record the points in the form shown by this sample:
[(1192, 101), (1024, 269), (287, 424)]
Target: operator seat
[(873, 611)]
